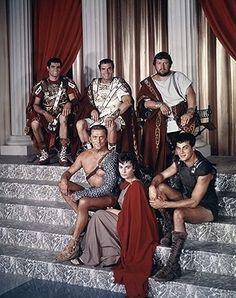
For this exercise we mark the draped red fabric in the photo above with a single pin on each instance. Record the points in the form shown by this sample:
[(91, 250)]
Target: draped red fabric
[(57, 32), (221, 15), (138, 235)]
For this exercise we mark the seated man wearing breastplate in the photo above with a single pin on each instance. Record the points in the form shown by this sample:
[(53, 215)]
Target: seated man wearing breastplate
[(108, 101), (50, 110), (101, 168)]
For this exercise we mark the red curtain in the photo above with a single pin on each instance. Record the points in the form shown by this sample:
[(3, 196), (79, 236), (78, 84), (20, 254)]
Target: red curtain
[(57, 32), (221, 15)]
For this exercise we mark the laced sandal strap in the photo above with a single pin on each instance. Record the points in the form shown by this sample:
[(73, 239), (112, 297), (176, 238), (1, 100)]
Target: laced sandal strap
[(77, 261), (70, 251)]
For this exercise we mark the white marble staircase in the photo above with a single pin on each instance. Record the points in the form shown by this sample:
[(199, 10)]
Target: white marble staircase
[(34, 224)]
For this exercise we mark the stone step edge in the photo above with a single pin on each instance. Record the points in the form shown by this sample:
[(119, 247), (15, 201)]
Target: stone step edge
[(108, 278), (217, 259), (81, 178), (64, 230), (47, 173), (60, 203), (56, 241), (34, 182)]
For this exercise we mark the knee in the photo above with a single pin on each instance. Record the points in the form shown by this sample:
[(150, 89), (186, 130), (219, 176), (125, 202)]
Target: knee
[(81, 125), (83, 204), (63, 120), (179, 215), (161, 187), (35, 125)]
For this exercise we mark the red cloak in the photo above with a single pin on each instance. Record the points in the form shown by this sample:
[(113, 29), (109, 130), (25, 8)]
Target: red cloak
[(138, 234)]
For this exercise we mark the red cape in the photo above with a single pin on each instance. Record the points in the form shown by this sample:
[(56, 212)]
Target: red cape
[(138, 234)]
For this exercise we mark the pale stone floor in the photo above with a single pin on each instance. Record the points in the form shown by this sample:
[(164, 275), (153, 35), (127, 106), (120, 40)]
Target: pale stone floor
[(16, 286)]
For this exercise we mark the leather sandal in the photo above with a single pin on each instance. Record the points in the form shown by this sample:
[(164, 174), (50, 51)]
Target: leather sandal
[(70, 251), (77, 262), (71, 230)]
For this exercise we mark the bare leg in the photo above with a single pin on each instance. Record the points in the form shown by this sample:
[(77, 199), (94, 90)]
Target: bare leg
[(72, 187), (82, 129), (170, 193), (191, 215), (167, 193), (86, 204), (37, 131), (63, 127)]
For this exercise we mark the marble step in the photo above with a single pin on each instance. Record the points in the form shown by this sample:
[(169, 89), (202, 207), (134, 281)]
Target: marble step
[(34, 235), (40, 264), (35, 172), (202, 256), (47, 212), (33, 190), (48, 190), (227, 204), (195, 285), (54, 213), (198, 255), (224, 182), (43, 191), (221, 231)]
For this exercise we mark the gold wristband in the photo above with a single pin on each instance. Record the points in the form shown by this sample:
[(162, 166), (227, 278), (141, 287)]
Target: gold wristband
[(190, 110), (158, 105)]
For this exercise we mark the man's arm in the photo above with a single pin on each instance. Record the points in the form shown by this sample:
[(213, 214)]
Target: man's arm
[(159, 178), (67, 107), (154, 105), (65, 177), (191, 97), (125, 104), (191, 101), (41, 111), (197, 195)]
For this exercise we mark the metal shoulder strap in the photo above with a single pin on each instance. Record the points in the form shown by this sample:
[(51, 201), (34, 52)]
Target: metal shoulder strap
[(58, 97)]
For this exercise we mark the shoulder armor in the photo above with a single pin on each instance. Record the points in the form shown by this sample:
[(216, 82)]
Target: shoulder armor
[(71, 85), (203, 167), (38, 90)]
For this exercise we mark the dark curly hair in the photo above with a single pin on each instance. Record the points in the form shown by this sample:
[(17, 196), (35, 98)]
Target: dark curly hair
[(128, 156)]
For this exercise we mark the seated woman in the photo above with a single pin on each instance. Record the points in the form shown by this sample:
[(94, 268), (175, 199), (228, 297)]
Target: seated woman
[(126, 237)]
